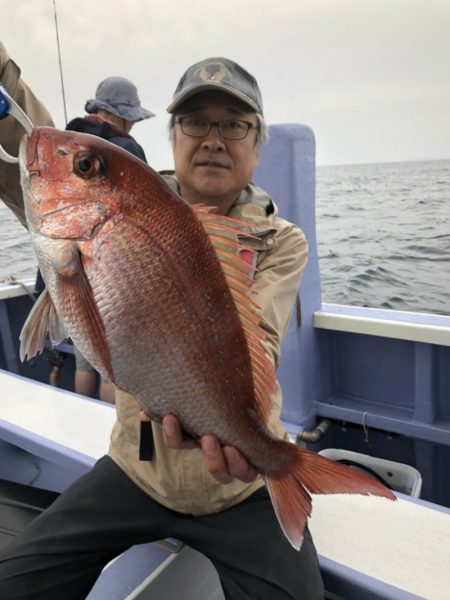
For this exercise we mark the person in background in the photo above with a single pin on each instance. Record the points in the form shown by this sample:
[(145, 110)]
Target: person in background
[(111, 115), (209, 497)]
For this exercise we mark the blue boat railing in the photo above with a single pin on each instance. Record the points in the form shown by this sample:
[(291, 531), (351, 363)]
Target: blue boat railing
[(381, 376)]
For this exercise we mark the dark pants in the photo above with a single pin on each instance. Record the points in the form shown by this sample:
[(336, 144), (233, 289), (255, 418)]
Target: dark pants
[(62, 552)]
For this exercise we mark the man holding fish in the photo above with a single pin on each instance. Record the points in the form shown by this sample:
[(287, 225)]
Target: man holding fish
[(198, 451)]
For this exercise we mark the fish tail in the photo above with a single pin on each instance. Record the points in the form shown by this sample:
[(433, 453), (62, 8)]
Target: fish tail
[(311, 473)]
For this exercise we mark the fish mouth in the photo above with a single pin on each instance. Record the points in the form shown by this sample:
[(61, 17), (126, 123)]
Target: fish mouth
[(32, 154), (28, 154)]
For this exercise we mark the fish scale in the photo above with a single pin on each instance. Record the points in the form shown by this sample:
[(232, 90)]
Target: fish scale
[(164, 330), (156, 296)]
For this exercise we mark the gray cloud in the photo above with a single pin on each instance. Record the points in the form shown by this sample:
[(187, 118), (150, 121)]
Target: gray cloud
[(371, 78)]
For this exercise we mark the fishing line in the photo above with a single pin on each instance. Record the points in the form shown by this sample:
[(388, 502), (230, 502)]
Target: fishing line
[(60, 62)]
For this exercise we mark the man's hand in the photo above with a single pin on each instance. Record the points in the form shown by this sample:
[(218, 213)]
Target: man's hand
[(224, 463)]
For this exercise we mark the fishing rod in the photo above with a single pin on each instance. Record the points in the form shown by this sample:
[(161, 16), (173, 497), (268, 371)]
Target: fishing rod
[(60, 62)]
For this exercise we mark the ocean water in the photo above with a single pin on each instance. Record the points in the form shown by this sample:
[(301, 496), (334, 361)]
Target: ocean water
[(383, 234), (17, 257)]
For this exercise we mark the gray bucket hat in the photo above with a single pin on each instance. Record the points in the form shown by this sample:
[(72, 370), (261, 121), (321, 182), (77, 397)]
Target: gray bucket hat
[(218, 74), (119, 96)]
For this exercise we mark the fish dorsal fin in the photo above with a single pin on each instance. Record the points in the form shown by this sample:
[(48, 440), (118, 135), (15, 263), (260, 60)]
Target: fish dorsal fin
[(237, 262)]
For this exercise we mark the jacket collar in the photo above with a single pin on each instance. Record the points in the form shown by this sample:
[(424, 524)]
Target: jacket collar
[(253, 203)]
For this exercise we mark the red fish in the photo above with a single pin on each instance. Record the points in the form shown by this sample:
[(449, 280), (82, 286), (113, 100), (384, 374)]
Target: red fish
[(155, 295)]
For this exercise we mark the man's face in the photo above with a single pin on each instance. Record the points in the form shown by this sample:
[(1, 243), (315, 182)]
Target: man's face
[(210, 169)]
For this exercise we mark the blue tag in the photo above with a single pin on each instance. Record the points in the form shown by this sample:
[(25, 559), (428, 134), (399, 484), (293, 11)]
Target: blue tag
[(4, 103)]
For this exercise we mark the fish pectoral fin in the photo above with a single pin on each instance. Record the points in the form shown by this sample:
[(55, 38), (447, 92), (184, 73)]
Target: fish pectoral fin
[(77, 297), (43, 320)]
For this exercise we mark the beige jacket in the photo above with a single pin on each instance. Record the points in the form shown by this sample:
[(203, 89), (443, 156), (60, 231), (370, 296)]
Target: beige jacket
[(177, 478), (11, 132)]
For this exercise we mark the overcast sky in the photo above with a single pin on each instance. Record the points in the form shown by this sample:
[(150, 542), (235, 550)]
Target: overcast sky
[(371, 77)]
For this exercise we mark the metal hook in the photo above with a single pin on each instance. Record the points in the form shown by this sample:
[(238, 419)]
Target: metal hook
[(8, 106)]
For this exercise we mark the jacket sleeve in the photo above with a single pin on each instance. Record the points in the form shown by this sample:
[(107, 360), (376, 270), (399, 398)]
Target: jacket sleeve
[(277, 282), (11, 132)]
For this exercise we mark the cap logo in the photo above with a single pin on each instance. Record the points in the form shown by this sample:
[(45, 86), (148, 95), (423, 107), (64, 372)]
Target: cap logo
[(213, 72)]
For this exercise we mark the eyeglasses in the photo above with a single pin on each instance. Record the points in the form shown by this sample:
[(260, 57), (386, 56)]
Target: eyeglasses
[(229, 129)]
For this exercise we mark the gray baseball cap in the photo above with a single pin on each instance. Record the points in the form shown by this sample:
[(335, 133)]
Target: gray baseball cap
[(119, 96), (218, 74)]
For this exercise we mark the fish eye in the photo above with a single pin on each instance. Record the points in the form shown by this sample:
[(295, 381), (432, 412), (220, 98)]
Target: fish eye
[(87, 164)]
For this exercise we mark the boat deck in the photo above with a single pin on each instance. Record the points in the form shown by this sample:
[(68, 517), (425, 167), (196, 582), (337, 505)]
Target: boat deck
[(368, 547)]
